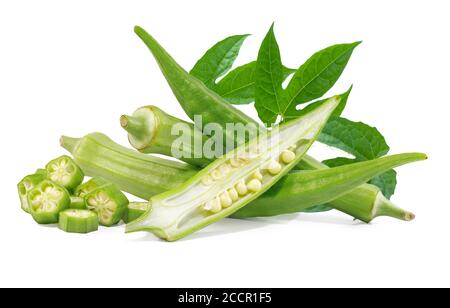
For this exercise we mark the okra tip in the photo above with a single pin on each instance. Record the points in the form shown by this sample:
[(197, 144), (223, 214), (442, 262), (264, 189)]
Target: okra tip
[(68, 143)]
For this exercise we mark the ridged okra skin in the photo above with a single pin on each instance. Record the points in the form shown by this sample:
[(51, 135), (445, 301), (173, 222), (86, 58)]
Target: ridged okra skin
[(78, 221), (234, 180), (364, 202), (151, 130), (99, 156), (135, 210)]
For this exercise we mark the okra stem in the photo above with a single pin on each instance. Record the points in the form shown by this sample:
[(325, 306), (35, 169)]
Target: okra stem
[(133, 125)]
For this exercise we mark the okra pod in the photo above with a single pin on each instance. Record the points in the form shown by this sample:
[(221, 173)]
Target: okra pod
[(78, 221), (133, 172), (65, 172), (46, 201), (77, 203), (206, 198), (85, 188), (358, 202), (197, 99), (109, 203), (26, 185)]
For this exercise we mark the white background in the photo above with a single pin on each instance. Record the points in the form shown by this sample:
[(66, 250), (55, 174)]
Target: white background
[(73, 67)]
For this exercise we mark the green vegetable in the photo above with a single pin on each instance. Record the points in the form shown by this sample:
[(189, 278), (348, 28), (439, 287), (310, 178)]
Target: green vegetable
[(25, 185), (214, 109), (65, 172), (294, 197), (355, 203), (85, 188), (42, 172), (46, 201), (78, 221), (233, 181), (109, 203), (77, 203), (99, 156), (135, 210), (152, 119)]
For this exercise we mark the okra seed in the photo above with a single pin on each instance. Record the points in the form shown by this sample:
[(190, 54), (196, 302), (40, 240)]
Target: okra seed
[(287, 156), (257, 175), (225, 169), (254, 185), (216, 175), (241, 188), (233, 194), (213, 206), (207, 180), (274, 167), (235, 163), (225, 199)]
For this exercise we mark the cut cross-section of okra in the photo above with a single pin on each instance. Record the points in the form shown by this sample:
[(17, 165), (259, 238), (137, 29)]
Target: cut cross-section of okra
[(77, 203), (65, 172), (85, 188), (135, 210), (78, 221), (46, 201), (109, 203), (25, 185), (205, 198)]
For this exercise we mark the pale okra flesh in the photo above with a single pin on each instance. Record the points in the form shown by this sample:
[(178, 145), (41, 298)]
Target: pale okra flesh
[(78, 221), (206, 197), (46, 201)]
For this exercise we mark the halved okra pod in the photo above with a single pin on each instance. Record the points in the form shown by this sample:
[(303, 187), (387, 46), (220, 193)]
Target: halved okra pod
[(65, 172), (208, 196), (135, 210), (46, 201), (363, 202), (78, 221), (197, 99), (109, 203), (27, 184)]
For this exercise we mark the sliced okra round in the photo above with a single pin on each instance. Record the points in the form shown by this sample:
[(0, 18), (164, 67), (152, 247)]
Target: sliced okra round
[(27, 184), (64, 171), (78, 221), (46, 201), (135, 210), (109, 203), (77, 203), (85, 188)]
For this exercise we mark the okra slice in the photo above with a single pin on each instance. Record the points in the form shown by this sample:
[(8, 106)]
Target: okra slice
[(200, 202), (135, 210), (78, 221), (65, 172), (85, 188), (77, 203), (42, 172), (46, 201), (27, 184), (109, 203)]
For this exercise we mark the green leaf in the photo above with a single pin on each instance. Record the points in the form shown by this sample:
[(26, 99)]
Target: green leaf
[(317, 75), (218, 59), (269, 100), (359, 139), (336, 113), (386, 181), (238, 86)]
